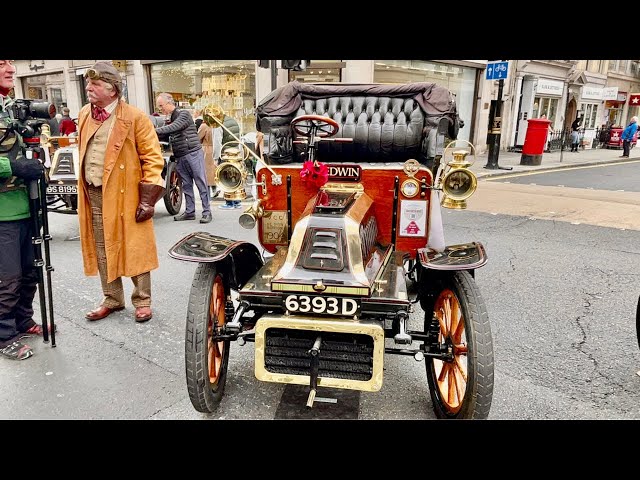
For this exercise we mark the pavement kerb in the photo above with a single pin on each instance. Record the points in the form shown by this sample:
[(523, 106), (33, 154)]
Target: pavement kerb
[(480, 174)]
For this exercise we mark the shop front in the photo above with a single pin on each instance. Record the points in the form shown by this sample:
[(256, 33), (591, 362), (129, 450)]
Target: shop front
[(614, 108), (47, 87), (195, 84), (460, 79), (590, 112), (634, 105)]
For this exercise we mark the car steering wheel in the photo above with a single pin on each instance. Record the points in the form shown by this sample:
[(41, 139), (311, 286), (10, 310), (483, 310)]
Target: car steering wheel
[(308, 125)]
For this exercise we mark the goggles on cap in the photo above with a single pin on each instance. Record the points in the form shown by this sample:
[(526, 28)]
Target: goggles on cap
[(93, 74)]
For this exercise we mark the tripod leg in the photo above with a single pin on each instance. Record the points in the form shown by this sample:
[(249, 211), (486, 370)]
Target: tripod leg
[(47, 255), (36, 240)]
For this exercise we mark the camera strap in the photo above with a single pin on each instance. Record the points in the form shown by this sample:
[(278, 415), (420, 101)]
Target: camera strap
[(7, 135)]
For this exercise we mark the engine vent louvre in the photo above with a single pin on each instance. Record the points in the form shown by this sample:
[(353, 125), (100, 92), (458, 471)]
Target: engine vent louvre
[(325, 250), (65, 164)]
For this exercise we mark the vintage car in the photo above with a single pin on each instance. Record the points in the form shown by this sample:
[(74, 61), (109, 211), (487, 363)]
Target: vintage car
[(62, 176), (62, 182), (349, 192)]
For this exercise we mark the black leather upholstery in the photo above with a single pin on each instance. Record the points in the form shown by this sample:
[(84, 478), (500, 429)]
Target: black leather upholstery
[(384, 128), (381, 127)]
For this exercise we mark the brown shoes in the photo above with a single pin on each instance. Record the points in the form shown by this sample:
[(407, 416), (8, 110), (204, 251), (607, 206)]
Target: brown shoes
[(143, 314), (101, 312)]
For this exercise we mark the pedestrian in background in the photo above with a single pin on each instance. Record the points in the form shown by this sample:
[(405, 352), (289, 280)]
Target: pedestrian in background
[(120, 182), (221, 137), (576, 124), (67, 125), (18, 274), (627, 136), (575, 140), (206, 135), (189, 155)]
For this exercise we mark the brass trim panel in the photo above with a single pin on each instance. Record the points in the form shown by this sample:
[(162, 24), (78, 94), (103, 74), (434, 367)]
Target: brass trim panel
[(279, 286), (374, 330)]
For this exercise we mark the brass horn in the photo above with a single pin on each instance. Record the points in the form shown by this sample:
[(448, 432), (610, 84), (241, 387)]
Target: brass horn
[(214, 114)]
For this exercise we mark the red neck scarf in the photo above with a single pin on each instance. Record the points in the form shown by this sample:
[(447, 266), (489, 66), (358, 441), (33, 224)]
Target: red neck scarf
[(99, 113)]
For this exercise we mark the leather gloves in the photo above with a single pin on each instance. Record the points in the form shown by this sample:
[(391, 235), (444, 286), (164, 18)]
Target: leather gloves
[(29, 169), (149, 195)]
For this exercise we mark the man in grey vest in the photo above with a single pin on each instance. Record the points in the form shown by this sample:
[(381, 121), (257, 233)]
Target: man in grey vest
[(187, 149)]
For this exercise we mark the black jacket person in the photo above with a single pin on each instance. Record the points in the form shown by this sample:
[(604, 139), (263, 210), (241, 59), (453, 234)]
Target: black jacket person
[(18, 275)]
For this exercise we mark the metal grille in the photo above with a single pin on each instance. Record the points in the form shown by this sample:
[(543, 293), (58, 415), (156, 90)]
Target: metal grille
[(65, 164), (342, 355)]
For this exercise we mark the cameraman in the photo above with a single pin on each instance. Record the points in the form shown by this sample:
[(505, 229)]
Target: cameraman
[(18, 275)]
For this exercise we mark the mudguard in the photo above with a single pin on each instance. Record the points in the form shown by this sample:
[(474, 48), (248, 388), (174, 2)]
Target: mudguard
[(464, 256), (244, 257)]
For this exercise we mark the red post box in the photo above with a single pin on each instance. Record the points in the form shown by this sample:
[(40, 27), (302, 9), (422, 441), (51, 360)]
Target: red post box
[(534, 140)]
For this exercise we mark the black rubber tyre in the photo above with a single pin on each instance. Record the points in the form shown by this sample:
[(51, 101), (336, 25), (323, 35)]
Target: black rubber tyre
[(638, 322), (173, 195), (462, 388), (206, 361)]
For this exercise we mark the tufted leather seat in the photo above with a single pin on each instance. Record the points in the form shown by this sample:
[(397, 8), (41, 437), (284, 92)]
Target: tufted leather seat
[(383, 128)]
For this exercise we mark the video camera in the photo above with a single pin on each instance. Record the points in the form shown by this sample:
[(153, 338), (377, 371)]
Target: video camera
[(28, 116)]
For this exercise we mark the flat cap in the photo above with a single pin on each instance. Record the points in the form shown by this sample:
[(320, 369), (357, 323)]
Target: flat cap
[(107, 73)]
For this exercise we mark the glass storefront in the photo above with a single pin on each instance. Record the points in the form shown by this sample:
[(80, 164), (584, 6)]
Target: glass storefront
[(459, 80), (545, 106), (194, 84), (319, 71), (48, 87), (589, 114)]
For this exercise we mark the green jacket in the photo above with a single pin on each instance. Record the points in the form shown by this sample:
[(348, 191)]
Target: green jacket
[(14, 203), (14, 198)]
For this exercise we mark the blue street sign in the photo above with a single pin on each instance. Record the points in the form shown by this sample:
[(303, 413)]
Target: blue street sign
[(497, 71)]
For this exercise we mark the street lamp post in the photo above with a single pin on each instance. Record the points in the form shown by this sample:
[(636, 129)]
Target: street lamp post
[(564, 127), (495, 126)]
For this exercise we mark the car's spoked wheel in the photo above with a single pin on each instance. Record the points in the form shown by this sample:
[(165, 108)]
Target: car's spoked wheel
[(206, 359), (173, 195), (461, 386)]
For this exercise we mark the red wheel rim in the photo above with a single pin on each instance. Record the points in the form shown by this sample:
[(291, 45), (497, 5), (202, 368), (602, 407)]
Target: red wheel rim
[(451, 376), (216, 321)]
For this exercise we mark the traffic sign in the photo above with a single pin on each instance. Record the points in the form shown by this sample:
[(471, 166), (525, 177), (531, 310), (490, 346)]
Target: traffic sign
[(497, 71)]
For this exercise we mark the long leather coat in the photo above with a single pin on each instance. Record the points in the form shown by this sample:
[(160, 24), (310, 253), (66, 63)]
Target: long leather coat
[(133, 155)]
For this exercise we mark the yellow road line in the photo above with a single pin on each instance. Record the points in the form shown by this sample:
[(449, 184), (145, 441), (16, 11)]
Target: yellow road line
[(553, 170)]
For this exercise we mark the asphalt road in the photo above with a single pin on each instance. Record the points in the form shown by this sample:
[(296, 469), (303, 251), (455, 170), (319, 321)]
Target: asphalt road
[(621, 177), (561, 297)]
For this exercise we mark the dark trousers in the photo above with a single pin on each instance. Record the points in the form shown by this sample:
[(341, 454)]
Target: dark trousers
[(191, 169), (626, 145), (18, 278)]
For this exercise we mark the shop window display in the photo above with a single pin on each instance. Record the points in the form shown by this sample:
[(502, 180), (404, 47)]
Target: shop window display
[(195, 84), (458, 79)]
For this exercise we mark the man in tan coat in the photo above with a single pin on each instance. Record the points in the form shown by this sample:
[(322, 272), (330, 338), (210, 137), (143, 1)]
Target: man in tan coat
[(119, 183)]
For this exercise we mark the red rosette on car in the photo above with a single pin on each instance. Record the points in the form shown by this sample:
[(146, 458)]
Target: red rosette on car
[(316, 173)]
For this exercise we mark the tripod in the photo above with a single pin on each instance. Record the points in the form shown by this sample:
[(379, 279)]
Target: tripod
[(40, 219)]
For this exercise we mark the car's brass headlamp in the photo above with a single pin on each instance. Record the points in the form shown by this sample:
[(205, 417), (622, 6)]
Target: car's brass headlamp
[(457, 182), (231, 175)]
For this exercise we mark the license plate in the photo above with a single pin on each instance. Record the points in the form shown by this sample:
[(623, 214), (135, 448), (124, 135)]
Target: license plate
[(51, 189), (324, 305)]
